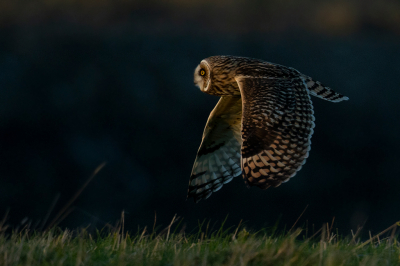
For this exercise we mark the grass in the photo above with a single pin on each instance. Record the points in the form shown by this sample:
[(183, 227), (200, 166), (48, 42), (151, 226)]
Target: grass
[(173, 246), (50, 245)]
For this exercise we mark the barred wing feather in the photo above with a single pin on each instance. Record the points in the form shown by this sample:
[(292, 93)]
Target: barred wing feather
[(218, 158), (277, 129)]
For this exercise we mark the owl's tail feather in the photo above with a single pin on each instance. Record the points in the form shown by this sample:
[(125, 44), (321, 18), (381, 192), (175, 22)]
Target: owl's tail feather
[(317, 89)]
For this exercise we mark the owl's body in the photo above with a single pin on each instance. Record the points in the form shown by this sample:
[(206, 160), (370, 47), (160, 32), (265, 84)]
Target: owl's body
[(261, 127)]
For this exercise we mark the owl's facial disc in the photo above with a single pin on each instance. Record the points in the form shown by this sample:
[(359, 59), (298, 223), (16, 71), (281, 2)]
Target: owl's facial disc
[(202, 76)]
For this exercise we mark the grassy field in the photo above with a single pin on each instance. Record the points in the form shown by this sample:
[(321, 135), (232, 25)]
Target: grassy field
[(174, 246)]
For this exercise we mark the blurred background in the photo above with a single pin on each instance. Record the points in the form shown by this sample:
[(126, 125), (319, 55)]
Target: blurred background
[(87, 82)]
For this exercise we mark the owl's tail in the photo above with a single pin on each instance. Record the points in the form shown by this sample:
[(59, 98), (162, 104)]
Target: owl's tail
[(317, 89)]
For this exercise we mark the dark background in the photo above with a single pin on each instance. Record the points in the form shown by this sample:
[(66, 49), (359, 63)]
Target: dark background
[(83, 82)]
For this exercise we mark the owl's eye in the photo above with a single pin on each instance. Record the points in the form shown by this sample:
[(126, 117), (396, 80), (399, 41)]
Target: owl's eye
[(202, 72)]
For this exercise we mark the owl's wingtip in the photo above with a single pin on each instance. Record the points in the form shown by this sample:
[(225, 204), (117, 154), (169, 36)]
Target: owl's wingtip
[(194, 196), (195, 199)]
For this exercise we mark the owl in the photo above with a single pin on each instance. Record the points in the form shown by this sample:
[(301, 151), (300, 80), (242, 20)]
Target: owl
[(261, 127)]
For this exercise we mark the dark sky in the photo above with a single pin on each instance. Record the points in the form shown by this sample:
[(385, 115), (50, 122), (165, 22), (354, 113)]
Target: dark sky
[(86, 83)]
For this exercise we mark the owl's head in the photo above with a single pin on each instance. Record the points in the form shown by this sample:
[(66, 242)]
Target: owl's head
[(202, 76), (216, 76)]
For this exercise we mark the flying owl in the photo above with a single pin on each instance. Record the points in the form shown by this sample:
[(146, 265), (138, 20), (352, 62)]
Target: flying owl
[(261, 127)]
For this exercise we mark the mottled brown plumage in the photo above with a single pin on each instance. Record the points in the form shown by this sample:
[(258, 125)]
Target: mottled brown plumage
[(262, 126)]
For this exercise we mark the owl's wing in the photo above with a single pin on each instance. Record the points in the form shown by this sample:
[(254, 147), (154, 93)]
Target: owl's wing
[(277, 128), (218, 158)]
